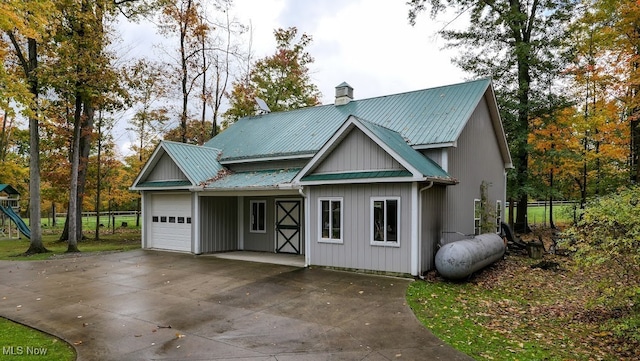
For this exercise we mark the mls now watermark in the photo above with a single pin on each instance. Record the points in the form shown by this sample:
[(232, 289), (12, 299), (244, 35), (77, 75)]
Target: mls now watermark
[(23, 350)]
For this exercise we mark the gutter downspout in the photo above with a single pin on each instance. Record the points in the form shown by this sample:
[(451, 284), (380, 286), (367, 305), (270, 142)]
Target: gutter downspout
[(416, 221), (307, 224)]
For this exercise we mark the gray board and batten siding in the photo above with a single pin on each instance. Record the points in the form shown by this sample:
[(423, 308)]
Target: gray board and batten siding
[(472, 161), (356, 250), (431, 223), (219, 225), (357, 152), (166, 170)]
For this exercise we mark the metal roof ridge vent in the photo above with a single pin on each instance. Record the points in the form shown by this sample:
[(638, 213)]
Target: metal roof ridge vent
[(344, 94)]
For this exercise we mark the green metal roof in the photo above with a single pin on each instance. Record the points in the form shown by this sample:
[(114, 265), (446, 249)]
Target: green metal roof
[(164, 184), (423, 117), (8, 189), (198, 163), (394, 140), (256, 179), (356, 175)]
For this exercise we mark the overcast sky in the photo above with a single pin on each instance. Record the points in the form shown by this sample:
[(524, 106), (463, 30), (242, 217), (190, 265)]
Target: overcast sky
[(367, 43)]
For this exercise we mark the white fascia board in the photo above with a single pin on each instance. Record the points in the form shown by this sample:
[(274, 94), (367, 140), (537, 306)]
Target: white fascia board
[(497, 126), (190, 189), (151, 162)]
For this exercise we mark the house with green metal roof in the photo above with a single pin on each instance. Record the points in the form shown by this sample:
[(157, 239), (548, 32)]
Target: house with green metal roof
[(374, 184)]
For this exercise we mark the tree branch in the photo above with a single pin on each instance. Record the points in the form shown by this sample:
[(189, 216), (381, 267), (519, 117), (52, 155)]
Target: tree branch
[(19, 53)]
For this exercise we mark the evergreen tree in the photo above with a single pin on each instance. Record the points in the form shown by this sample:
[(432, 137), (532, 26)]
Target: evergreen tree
[(518, 44)]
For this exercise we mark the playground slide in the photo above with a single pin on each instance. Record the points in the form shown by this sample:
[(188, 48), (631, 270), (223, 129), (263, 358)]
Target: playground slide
[(24, 229)]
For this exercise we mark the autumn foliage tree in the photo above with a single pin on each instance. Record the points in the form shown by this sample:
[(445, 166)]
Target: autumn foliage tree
[(584, 147), (618, 24), (23, 25), (518, 44), (282, 80)]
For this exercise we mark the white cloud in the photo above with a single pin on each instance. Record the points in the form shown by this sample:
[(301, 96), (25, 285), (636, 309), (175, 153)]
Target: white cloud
[(369, 44)]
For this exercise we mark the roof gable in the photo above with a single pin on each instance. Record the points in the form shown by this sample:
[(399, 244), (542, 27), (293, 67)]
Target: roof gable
[(425, 118), (6, 188), (357, 152), (197, 164), (416, 166)]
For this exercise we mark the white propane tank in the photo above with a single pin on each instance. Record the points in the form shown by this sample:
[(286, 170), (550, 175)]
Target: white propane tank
[(460, 259)]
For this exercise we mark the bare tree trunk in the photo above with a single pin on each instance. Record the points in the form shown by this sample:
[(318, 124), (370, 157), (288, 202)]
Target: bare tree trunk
[(184, 73), (35, 245), (98, 177), (86, 118), (551, 222), (72, 213), (203, 135)]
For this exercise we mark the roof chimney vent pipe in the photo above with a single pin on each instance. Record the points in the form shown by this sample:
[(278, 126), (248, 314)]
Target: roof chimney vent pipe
[(344, 94)]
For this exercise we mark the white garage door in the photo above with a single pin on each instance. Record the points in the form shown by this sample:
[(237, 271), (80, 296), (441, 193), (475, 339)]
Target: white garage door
[(170, 219)]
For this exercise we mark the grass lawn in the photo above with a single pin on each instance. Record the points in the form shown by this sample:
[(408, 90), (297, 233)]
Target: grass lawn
[(515, 311), (538, 215), (23, 343), (123, 239)]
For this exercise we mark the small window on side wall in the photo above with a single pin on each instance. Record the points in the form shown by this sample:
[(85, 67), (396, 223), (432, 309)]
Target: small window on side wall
[(498, 216), (385, 221), (258, 216), (477, 216), (330, 220)]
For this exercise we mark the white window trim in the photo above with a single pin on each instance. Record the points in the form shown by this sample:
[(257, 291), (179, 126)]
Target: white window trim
[(477, 201), (330, 240), (498, 216), (251, 203), (372, 221)]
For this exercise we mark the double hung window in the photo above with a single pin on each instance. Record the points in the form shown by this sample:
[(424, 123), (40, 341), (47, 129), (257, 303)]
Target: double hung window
[(385, 221), (330, 220)]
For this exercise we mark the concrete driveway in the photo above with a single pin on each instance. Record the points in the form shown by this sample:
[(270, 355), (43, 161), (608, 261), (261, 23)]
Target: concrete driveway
[(151, 305)]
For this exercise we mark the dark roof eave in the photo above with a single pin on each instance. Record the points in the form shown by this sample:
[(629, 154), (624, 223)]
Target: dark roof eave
[(266, 157)]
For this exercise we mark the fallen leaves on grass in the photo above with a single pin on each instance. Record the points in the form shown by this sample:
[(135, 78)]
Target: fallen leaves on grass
[(544, 304)]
